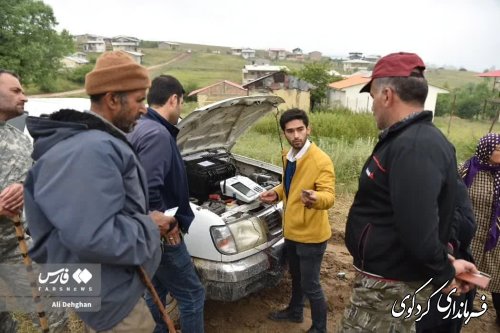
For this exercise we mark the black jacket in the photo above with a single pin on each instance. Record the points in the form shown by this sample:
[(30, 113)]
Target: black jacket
[(464, 227), (400, 222)]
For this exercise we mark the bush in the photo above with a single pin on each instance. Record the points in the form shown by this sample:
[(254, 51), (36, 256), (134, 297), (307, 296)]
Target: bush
[(339, 124), (189, 87), (348, 159), (469, 102), (77, 75), (348, 138)]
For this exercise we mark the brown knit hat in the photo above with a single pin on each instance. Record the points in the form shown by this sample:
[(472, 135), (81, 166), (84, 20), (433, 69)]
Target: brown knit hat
[(116, 71)]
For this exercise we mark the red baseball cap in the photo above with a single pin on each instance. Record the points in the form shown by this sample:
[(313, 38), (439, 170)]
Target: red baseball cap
[(400, 64)]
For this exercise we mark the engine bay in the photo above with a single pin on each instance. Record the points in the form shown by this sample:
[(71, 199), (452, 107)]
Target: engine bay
[(211, 177)]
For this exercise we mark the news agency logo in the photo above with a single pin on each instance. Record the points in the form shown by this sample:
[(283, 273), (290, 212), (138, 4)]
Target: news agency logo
[(61, 276), (82, 276), (69, 280)]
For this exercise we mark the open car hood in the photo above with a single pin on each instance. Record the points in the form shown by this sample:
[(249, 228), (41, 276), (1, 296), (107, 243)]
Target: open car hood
[(220, 124)]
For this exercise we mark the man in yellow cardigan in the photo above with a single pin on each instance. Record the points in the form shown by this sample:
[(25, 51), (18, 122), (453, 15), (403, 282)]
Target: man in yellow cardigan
[(307, 191)]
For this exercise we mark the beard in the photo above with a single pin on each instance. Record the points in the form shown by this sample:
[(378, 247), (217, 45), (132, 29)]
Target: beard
[(13, 112), (297, 144)]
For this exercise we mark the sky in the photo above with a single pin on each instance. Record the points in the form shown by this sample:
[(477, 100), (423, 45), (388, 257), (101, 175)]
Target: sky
[(457, 33)]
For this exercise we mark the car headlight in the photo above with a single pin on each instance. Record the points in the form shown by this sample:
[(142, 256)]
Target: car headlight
[(239, 236)]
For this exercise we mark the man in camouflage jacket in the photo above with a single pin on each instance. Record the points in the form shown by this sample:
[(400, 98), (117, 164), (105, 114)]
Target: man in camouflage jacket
[(15, 160)]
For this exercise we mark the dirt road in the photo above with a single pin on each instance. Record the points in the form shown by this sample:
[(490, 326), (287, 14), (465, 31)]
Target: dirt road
[(82, 91), (249, 315)]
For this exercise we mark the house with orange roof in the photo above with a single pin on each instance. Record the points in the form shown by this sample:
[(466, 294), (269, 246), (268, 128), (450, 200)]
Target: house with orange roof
[(218, 92), (345, 93)]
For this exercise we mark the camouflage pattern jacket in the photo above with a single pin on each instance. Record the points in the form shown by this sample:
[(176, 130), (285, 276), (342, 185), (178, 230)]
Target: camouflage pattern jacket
[(15, 161)]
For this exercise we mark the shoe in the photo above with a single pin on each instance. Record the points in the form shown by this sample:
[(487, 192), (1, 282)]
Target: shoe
[(314, 330), (286, 315)]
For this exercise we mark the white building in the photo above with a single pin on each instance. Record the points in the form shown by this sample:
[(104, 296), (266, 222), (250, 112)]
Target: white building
[(345, 93), (357, 64), (248, 53), (137, 56), (125, 43), (254, 72), (90, 43), (73, 61)]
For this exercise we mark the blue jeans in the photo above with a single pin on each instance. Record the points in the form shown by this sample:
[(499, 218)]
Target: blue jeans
[(304, 262), (176, 274)]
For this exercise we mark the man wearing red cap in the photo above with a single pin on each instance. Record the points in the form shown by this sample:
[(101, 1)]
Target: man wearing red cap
[(400, 222), (86, 196)]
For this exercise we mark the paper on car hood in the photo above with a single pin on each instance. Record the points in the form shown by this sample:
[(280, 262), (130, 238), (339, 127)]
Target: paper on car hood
[(220, 124)]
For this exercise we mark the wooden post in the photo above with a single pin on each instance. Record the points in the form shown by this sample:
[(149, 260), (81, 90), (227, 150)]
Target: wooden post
[(494, 120), (23, 247), (484, 108)]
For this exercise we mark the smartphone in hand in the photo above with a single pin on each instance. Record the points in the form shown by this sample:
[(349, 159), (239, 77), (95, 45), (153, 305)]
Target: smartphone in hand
[(478, 279), (306, 193)]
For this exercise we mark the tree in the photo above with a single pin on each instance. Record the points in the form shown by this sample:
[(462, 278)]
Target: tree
[(29, 44), (469, 101), (190, 87), (317, 74)]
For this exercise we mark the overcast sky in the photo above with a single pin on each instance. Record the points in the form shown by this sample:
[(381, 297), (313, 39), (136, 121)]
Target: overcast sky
[(443, 32)]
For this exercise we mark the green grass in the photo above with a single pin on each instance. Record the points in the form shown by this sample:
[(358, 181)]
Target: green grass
[(450, 79), (204, 48), (464, 134), (58, 85), (158, 56), (205, 68), (340, 124), (349, 139)]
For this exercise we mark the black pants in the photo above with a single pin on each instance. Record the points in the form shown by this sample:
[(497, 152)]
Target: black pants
[(496, 303), (433, 322), (304, 261)]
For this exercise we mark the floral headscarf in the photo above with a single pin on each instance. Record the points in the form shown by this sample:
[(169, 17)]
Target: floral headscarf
[(481, 162)]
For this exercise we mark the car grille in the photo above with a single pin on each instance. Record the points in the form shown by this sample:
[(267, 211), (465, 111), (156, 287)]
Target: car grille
[(274, 225)]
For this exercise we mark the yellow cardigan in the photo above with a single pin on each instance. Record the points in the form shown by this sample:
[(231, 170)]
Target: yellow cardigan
[(314, 171)]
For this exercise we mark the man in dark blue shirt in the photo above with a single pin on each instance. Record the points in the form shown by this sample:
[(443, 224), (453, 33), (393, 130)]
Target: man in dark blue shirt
[(154, 140)]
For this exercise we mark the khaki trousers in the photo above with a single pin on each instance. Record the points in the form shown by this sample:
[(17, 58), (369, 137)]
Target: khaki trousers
[(138, 320), (372, 301)]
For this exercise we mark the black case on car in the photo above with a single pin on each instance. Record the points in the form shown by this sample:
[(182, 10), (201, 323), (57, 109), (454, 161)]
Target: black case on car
[(205, 174)]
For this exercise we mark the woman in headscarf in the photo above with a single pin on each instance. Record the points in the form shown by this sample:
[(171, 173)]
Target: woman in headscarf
[(481, 175)]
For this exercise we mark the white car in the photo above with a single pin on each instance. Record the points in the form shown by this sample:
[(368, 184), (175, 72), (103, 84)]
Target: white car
[(235, 241), (235, 248)]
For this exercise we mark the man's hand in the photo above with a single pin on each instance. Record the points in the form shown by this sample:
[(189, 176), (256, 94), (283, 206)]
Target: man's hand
[(269, 197), (11, 200), (12, 197), (461, 266), (174, 236), (7, 213), (166, 224), (308, 198)]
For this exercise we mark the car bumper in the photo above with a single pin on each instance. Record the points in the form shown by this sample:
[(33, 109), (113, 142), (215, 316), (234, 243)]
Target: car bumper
[(234, 280)]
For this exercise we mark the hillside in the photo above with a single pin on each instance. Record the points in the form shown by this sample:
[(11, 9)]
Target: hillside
[(450, 79), (204, 67), (206, 64)]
